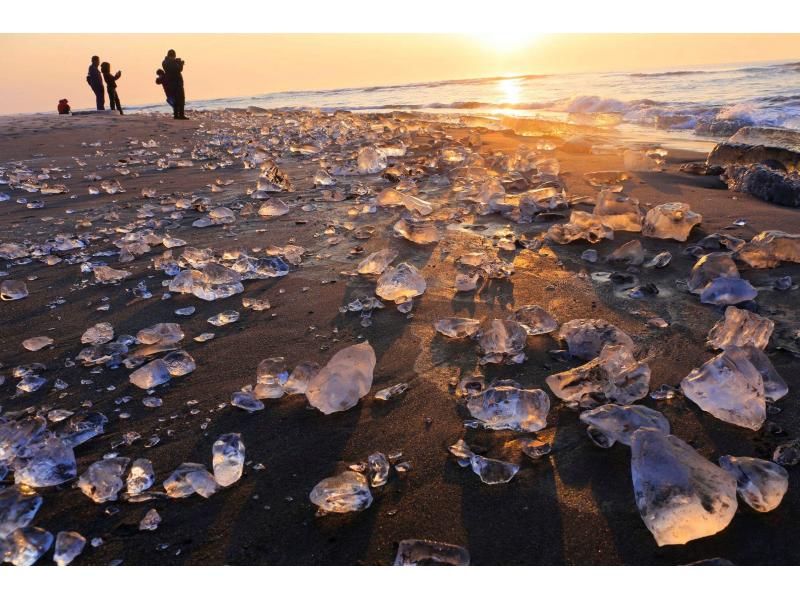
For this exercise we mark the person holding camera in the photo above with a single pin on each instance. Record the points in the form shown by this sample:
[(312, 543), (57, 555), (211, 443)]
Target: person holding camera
[(173, 75)]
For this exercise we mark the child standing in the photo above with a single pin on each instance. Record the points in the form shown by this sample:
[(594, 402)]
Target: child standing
[(111, 85)]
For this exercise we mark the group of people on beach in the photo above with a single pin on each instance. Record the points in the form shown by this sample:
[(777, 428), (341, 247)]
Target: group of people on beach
[(169, 76)]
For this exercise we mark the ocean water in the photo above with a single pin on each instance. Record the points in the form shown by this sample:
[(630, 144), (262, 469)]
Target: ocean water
[(690, 107)]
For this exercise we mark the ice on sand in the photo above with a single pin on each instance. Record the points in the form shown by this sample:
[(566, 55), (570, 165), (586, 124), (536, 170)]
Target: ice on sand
[(681, 495), (344, 380), (761, 484), (609, 424), (344, 493)]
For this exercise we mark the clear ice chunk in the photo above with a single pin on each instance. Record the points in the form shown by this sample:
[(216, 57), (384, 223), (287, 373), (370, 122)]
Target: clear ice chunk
[(670, 221), (411, 553), (741, 327), (99, 334), (630, 253), (344, 380), (506, 406), (581, 225), (228, 459), (728, 291), (761, 484), (150, 521), (457, 327), (47, 463), (618, 212), (344, 493), (141, 477), (37, 343), (502, 340), (378, 469), (535, 320), (12, 290), (585, 338), (710, 267), (18, 507), (376, 263), (301, 375), (26, 545), (102, 481), (69, 545), (151, 374), (613, 376), (730, 388), (189, 478), (609, 424), (400, 283), (769, 248), (681, 495)]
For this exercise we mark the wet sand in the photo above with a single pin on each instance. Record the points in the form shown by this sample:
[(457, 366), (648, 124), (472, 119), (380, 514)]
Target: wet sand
[(575, 506)]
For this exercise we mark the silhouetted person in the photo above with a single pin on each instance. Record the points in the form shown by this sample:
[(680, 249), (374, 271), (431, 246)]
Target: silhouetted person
[(173, 69), (95, 81), (161, 79), (63, 106), (111, 86)]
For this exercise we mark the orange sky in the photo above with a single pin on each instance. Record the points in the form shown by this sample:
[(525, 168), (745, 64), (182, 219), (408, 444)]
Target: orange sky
[(39, 69)]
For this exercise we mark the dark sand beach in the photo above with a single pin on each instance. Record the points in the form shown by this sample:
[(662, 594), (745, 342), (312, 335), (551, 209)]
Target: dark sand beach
[(574, 506)]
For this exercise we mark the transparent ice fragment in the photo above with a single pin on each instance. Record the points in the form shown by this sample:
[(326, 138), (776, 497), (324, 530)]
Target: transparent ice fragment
[(69, 545), (400, 283), (18, 507), (108, 275), (506, 406), (614, 376), (457, 327), (189, 478), (102, 481), (246, 401), (99, 334), (344, 493), (224, 318), (585, 338), (761, 484), (709, 267), (164, 333), (670, 221), (11, 290), (46, 463), (618, 212), (581, 225), (681, 495), (36, 343), (301, 375), (391, 392), (730, 388), (741, 327), (728, 291), (630, 253), (345, 379), (428, 552), (617, 423), (502, 340), (228, 459), (378, 469), (151, 375), (769, 248), (141, 477), (150, 521), (26, 545), (376, 263), (535, 320)]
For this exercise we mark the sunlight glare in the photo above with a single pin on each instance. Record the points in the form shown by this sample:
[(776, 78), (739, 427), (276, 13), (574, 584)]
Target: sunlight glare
[(506, 42)]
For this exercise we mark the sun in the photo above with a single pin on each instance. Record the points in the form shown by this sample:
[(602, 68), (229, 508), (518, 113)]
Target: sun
[(507, 41)]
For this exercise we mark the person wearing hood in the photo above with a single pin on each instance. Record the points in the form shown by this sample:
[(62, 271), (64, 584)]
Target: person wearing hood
[(173, 74)]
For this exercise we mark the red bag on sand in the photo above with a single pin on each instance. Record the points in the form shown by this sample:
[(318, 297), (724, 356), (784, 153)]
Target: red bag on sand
[(63, 107)]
